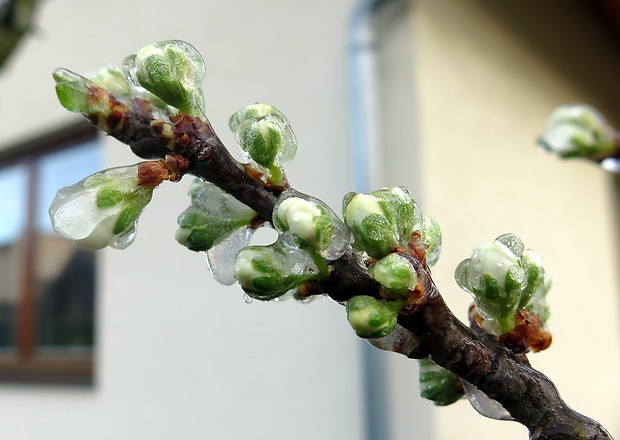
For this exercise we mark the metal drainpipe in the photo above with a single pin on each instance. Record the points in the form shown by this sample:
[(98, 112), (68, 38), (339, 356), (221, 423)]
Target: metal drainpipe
[(367, 175)]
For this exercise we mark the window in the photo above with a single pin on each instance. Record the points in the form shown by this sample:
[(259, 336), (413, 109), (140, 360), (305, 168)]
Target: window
[(47, 292)]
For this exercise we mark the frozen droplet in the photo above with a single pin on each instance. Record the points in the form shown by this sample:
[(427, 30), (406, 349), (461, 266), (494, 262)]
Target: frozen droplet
[(611, 164), (221, 258), (287, 295), (400, 341), (123, 240), (306, 300), (248, 299), (484, 405)]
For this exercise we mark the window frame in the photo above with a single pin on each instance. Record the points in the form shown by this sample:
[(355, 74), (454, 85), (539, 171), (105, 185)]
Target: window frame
[(25, 364)]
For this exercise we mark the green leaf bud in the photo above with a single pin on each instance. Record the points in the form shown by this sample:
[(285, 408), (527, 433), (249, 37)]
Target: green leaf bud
[(577, 130), (395, 273), (213, 216), (372, 318), (438, 384), (72, 92), (101, 210), (311, 220), (172, 70), (268, 272)]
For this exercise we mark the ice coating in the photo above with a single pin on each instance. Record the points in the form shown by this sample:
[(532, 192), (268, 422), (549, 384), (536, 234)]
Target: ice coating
[(173, 70), (102, 209), (212, 217), (221, 257), (431, 236), (313, 221), (484, 405), (265, 137)]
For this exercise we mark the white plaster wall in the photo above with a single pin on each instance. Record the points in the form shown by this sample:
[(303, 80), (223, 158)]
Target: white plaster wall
[(180, 356), (484, 95)]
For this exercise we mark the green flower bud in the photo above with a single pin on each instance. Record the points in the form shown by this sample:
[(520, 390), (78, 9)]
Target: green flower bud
[(372, 318), (268, 272), (311, 220), (502, 279), (172, 70), (213, 216), (102, 209), (372, 230), (265, 137), (438, 384), (431, 236), (381, 220), (577, 130), (395, 273)]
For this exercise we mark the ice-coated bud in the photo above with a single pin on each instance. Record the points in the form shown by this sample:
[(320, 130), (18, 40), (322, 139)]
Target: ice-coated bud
[(172, 70), (102, 209), (438, 384), (395, 273), (381, 220), (72, 91), (91, 94), (577, 130), (213, 216), (431, 236), (502, 278), (313, 222), (265, 136), (372, 318), (268, 272)]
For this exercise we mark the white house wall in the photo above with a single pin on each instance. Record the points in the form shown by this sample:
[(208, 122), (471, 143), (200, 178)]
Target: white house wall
[(179, 356)]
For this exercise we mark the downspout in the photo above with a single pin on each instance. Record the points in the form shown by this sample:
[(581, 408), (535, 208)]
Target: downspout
[(367, 176)]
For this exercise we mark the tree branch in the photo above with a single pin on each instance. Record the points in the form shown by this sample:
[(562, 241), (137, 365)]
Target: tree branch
[(427, 327)]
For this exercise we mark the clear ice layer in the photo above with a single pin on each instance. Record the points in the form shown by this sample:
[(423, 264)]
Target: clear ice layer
[(221, 258), (484, 405)]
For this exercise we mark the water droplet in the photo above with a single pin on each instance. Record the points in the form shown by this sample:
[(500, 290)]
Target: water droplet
[(611, 164), (248, 299)]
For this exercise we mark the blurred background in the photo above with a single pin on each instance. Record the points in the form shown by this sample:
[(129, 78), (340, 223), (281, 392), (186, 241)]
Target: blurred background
[(443, 96)]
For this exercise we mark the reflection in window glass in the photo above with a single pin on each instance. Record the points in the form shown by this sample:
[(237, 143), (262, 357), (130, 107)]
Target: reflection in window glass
[(13, 203), (65, 274)]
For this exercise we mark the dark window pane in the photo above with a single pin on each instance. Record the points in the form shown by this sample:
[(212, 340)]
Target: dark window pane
[(65, 274), (13, 204)]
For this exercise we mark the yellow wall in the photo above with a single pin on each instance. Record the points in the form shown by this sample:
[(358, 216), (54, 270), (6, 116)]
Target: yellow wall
[(487, 76)]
